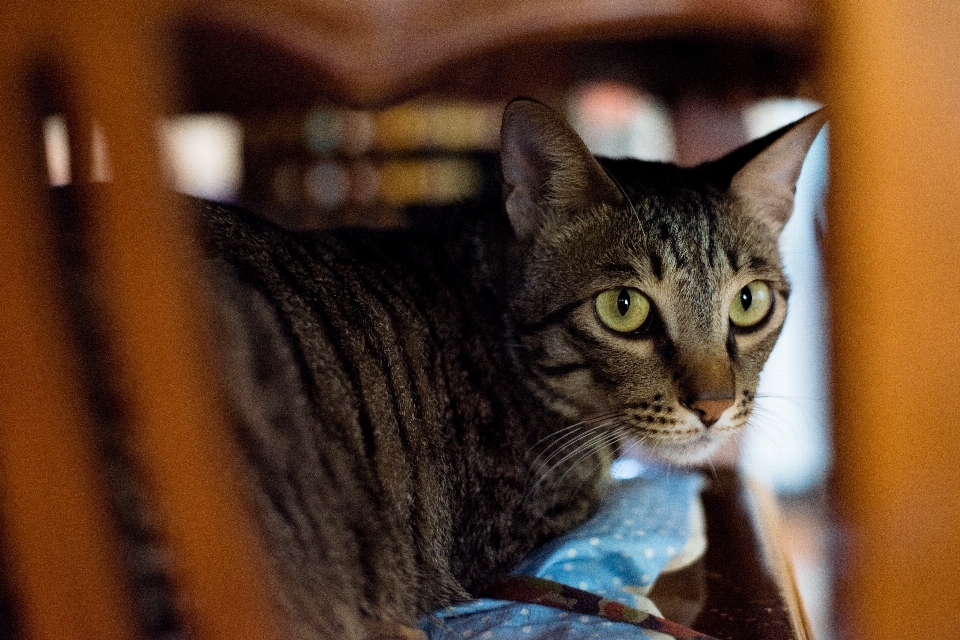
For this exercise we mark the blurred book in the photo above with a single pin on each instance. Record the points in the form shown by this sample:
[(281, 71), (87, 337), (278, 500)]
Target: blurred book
[(325, 166)]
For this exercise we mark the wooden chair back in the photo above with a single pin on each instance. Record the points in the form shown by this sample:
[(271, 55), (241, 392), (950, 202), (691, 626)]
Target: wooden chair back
[(894, 259), (62, 548)]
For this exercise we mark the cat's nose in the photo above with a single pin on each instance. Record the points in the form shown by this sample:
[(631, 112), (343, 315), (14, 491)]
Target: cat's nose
[(707, 388), (710, 410)]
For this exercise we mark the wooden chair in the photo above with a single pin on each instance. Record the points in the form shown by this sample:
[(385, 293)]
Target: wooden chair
[(109, 68), (62, 548), (895, 101)]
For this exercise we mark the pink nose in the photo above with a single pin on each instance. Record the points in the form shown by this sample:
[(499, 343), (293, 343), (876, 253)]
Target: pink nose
[(710, 410)]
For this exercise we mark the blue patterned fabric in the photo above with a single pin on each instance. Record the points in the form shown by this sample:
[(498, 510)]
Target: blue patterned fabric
[(641, 525)]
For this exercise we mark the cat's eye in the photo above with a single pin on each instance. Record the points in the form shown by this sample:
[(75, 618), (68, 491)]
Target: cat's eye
[(751, 304), (624, 309)]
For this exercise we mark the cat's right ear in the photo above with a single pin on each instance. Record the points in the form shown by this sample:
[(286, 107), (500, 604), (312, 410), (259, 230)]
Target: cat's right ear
[(762, 175), (547, 170)]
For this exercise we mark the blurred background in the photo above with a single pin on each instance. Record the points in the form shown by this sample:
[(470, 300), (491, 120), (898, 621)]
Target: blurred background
[(308, 162), (319, 113)]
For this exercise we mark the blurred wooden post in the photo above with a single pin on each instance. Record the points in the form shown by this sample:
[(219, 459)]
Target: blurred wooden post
[(894, 259), (147, 265), (61, 548), (65, 560)]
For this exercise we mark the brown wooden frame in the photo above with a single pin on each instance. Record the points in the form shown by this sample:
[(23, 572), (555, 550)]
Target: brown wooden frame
[(60, 546)]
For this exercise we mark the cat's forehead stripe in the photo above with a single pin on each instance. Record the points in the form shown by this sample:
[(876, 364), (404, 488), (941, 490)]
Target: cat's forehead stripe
[(732, 258), (656, 264), (687, 235), (738, 261), (696, 236), (625, 271), (621, 270), (758, 263)]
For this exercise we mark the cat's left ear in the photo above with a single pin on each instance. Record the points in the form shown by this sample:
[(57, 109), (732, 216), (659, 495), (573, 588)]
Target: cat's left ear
[(762, 175), (547, 169)]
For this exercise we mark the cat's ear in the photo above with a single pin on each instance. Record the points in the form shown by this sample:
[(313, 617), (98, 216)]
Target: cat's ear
[(762, 175), (547, 170)]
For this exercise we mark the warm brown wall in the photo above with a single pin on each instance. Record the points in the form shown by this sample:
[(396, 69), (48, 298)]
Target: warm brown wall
[(57, 535), (894, 249)]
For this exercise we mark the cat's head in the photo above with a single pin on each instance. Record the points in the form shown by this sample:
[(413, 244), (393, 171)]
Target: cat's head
[(651, 294)]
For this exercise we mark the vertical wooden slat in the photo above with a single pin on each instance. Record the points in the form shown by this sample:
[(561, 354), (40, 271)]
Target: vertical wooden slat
[(143, 252), (62, 549), (894, 260), (63, 556)]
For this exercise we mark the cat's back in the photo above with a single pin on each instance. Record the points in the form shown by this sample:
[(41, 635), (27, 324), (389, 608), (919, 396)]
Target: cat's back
[(388, 429), (334, 345)]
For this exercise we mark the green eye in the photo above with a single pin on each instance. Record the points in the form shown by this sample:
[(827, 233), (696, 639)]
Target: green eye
[(751, 304), (623, 310)]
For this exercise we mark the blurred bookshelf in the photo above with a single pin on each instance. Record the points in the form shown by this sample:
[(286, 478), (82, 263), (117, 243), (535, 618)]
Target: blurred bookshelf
[(325, 166), (328, 166)]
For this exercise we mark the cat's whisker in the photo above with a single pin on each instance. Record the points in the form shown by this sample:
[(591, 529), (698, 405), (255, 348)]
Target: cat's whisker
[(776, 439), (568, 435), (545, 470), (557, 448), (611, 440), (588, 446), (769, 423), (586, 421), (559, 432), (740, 437), (809, 416), (637, 440), (565, 437), (781, 396), (601, 441), (571, 445), (795, 403), (633, 208), (765, 414), (603, 416)]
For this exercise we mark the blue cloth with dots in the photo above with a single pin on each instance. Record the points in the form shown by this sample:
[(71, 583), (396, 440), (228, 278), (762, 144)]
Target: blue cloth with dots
[(641, 525)]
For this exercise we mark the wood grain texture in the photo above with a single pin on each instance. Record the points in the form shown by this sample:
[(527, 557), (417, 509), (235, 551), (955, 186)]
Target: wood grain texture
[(61, 563), (894, 256), (65, 553), (145, 260)]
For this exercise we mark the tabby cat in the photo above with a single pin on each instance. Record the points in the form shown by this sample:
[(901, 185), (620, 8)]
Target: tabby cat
[(420, 408)]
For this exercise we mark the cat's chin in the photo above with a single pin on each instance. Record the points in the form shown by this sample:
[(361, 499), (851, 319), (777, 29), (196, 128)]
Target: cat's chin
[(687, 453)]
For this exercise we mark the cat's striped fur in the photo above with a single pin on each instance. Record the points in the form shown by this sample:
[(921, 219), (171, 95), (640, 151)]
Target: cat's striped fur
[(406, 400)]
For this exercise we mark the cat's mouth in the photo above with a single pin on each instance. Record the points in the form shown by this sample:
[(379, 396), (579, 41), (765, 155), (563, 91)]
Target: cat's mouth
[(686, 453), (685, 444), (676, 435)]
